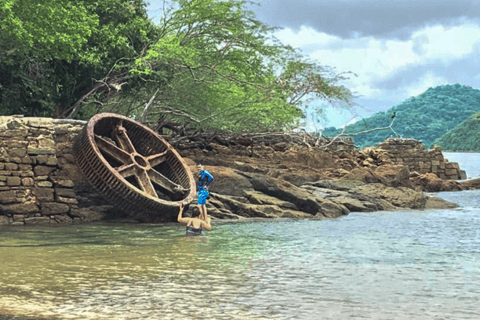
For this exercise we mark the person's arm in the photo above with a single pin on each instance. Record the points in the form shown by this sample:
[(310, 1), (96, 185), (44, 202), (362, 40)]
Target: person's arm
[(205, 225), (209, 177), (180, 219)]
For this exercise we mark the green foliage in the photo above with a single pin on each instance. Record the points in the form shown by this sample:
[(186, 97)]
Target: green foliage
[(209, 63), (56, 28), (53, 52), (464, 137), (229, 73), (425, 117)]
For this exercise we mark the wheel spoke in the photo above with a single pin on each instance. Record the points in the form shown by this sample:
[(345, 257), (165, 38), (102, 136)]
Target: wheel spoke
[(156, 159), (145, 183), (163, 181), (123, 140), (112, 150), (127, 170)]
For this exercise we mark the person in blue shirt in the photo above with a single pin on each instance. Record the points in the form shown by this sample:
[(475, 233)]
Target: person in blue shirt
[(204, 179)]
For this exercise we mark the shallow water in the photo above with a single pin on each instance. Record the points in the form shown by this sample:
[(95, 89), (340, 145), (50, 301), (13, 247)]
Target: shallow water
[(383, 265)]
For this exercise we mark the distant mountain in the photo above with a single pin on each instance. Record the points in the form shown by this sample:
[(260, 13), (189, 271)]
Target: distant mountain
[(425, 117), (464, 137)]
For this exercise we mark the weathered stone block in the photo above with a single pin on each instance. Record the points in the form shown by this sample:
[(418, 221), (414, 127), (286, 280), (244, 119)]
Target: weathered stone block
[(41, 158), (435, 162), (27, 182), (42, 170), (451, 172), (63, 218), (66, 200), (65, 183), (53, 208), (4, 220), (13, 181), (63, 192), (69, 157), (7, 196), (19, 208), (44, 184), (434, 169), (27, 159), (24, 167), (52, 161), (61, 128), (449, 165), (39, 220), (17, 152), (28, 173), (43, 194)]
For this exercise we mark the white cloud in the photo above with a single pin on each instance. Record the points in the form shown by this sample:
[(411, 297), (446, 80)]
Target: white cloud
[(427, 81), (373, 59)]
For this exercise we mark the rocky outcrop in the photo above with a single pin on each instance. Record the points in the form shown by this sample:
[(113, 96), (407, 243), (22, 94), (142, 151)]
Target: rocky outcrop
[(40, 182)]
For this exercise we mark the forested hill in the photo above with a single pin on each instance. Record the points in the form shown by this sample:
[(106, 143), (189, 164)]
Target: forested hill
[(425, 117), (464, 137)]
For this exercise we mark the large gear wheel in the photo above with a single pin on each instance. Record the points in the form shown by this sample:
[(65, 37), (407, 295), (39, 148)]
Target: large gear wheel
[(133, 167)]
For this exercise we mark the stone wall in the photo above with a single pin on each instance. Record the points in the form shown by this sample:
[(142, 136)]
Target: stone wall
[(413, 154), (39, 180), (41, 184)]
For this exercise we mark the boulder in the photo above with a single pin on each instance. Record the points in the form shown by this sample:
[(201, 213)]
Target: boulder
[(470, 184), (393, 175), (257, 197), (227, 181), (286, 191), (399, 197), (431, 183)]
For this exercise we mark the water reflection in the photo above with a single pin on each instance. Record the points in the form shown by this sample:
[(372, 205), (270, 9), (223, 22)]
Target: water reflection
[(402, 264)]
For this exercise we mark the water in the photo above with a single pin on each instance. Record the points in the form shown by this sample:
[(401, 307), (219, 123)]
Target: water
[(383, 265), (468, 161)]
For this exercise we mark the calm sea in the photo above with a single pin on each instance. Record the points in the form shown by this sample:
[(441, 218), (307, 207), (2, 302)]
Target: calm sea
[(382, 265)]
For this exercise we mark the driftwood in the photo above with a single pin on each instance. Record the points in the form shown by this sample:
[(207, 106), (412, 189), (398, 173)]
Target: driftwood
[(183, 137)]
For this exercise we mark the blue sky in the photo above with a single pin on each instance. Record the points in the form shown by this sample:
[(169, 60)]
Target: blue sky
[(397, 48)]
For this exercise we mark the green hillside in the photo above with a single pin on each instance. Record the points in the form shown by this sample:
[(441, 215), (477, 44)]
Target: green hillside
[(464, 137), (425, 117)]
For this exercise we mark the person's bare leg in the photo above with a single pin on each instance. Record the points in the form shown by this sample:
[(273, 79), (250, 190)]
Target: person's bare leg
[(202, 214)]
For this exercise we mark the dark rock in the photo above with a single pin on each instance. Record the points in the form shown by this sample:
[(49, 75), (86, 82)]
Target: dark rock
[(286, 191), (43, 194), (431, 183), (19, 208), (8, 196), (39, 220), (52, 208)]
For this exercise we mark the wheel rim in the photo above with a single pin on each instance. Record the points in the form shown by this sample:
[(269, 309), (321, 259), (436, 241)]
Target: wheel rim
[(133, 167)]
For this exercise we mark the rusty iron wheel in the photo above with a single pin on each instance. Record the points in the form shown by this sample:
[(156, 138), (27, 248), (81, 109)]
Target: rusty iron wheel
[(135, 168)]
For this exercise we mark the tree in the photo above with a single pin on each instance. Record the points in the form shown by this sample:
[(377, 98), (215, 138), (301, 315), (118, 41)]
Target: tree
[(58, 52), (228, 72)]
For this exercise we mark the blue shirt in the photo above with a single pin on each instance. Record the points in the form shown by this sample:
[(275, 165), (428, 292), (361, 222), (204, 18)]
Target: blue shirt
[(204, 179)]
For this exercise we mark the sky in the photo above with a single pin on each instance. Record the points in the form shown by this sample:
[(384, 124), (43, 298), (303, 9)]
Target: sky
[(396, 48)]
